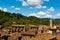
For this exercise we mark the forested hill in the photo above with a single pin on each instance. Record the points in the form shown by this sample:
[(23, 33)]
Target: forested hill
[(6, 19)]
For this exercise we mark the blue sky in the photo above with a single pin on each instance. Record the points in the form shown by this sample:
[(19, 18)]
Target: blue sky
[(38, 8)]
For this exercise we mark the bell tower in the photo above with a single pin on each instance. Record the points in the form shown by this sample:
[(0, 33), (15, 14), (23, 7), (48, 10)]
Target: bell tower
[(51, 23)]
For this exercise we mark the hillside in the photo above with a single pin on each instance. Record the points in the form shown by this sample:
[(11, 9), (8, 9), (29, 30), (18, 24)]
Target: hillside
[(6, 19)]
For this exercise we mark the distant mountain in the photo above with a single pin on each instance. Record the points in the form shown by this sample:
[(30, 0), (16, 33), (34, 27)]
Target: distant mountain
[(7, 18), (57, 19), (46, 18)]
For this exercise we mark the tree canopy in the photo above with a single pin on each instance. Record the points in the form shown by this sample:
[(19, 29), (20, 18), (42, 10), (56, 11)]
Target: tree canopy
[(7, 18)]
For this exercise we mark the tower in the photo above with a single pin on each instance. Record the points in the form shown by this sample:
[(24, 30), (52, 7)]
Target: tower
[(51, 23)]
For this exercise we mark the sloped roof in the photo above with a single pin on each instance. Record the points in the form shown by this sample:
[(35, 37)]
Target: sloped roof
[(44, 27), (18, 25), (58, 26), (3, 33), (14, 36), (28, 33), (44, 36), (58, 37)]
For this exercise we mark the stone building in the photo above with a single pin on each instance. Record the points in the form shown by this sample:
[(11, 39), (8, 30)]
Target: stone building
[(51, 23)]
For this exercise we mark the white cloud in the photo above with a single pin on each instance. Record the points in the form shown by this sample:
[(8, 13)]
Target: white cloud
[(17, 8), (58, 14), (34, 2), (24, 3), (5, 9), (46, 0), (12, 6), (44, 6), (38, 14), (41, 13), (0, 8), (21, 0), (46, 13), (31, 8), (48, 16), (38, 6), (33, 14), (51, 9)]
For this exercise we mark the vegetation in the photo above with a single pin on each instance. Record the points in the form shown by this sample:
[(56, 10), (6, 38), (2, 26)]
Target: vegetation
[(6, 19)]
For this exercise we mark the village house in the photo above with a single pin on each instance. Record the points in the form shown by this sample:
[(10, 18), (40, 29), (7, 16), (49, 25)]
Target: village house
[(30, 32)]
